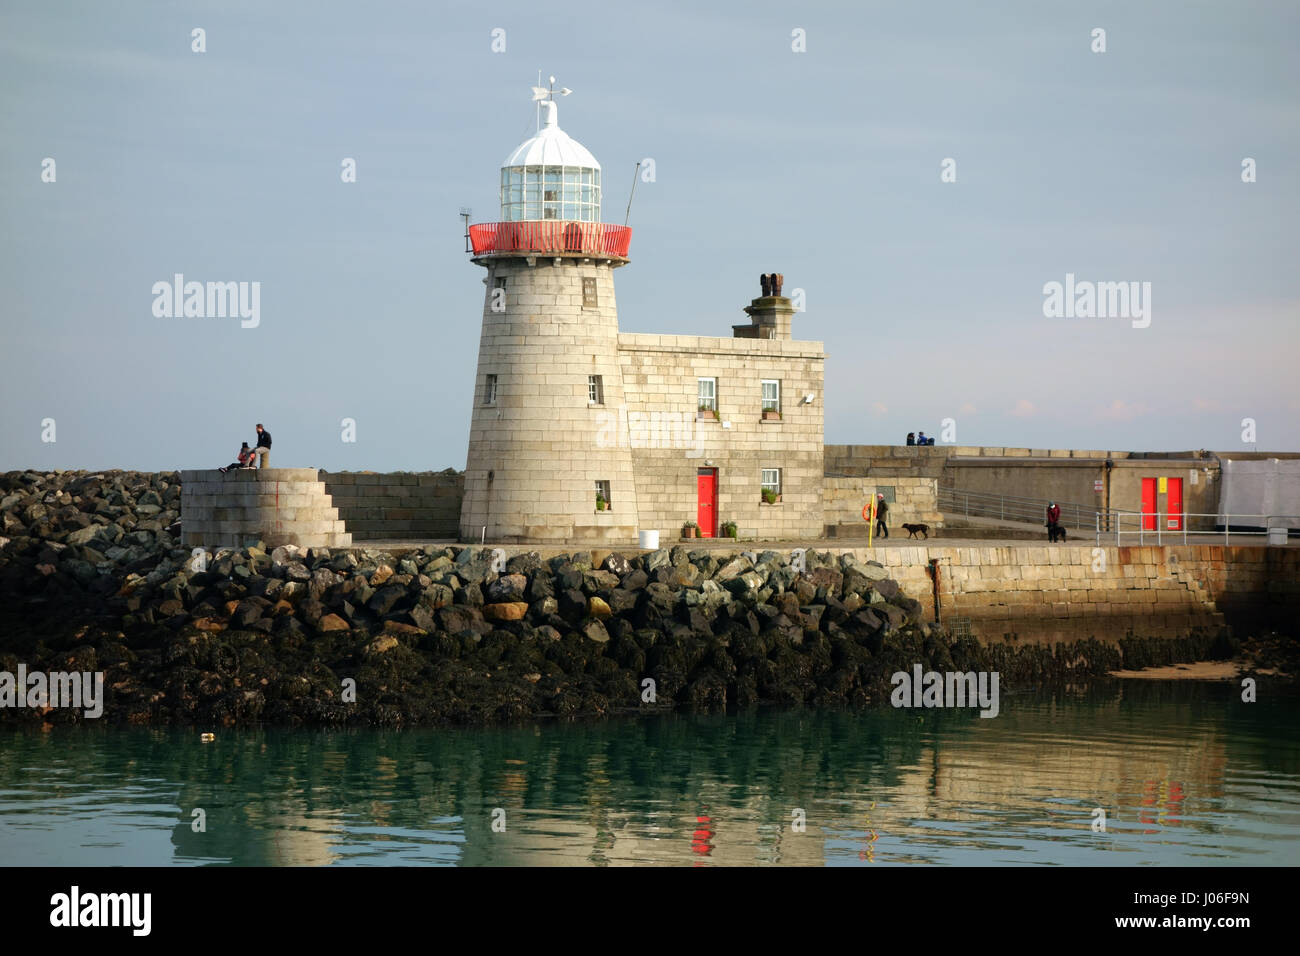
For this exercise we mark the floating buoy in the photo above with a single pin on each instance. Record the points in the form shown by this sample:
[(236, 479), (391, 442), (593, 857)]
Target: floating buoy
[(207, 737)]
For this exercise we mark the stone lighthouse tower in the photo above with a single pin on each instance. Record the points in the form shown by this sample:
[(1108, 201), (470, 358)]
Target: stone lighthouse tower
[(547, 459)]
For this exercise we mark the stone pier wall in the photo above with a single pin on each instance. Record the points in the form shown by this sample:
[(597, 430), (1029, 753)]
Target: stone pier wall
[(274, 505), (915, 502), (1064, 593), (391, 505)]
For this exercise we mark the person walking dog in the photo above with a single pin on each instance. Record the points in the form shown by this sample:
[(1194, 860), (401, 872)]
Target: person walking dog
[(882, 510)]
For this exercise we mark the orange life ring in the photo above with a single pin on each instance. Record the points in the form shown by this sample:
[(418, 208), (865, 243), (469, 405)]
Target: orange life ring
[(866, 511)]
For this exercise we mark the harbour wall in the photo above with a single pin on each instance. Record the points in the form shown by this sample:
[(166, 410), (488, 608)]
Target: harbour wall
[(1061, 593), (379, 506)]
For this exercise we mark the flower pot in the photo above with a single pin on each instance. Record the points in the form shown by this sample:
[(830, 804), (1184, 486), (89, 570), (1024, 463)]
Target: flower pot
[(770, 415)]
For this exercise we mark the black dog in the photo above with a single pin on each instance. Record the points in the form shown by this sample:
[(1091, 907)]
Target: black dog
[(1055, 531), (912, 529)]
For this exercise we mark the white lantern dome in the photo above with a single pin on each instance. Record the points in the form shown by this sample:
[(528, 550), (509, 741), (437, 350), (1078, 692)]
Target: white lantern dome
[(550, 176)]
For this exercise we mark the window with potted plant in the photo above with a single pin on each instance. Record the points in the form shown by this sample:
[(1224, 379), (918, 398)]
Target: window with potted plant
[(708, 398), (771, 400), (771, 486)]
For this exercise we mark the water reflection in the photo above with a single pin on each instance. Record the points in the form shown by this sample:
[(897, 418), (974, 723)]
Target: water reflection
[(1184, 773)]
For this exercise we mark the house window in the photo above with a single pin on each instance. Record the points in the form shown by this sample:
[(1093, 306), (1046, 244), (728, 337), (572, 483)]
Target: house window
[(602, 495), (708, 394), (595, 390), (771, 481), (771, 395), (489, 390), (589, 300)]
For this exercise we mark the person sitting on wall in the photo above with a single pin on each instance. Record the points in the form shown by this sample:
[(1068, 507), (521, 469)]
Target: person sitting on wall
[(263, 449), (911, 438), (245, 459), (882, 509), (920, 438)]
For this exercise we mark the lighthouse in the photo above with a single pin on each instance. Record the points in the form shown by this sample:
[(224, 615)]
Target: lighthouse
[(543, 465)]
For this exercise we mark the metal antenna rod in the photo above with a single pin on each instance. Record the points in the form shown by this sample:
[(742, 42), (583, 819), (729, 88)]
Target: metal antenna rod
[(628, 214)]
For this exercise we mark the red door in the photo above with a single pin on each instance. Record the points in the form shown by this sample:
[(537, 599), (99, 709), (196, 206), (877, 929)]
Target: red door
[(1148, 504), (706, 481), (1174, 504)]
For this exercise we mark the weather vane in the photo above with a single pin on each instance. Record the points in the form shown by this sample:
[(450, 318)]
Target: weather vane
[(542, 93)]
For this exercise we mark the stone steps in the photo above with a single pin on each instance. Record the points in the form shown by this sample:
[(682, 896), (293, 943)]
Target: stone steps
[(1197, 586), (275, 505)]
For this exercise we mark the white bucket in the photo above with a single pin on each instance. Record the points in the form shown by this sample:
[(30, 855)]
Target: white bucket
[(1277, 535), (648, 540)]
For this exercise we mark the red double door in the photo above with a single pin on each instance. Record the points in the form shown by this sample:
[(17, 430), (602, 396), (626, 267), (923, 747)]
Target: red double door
[(1173, 509), (706, 483)]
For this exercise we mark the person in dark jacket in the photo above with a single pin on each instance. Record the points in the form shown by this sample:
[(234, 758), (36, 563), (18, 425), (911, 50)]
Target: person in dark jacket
[(882, 509), (263, 449), (911, 438), (1053, 513)]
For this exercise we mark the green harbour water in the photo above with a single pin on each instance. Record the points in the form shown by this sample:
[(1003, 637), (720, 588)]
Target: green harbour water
[(1186, 773)]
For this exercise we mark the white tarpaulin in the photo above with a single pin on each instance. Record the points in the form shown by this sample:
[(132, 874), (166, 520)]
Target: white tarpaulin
[(1269, 487)]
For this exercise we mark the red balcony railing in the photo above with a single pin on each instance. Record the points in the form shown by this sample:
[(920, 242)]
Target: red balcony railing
[(550, 236)]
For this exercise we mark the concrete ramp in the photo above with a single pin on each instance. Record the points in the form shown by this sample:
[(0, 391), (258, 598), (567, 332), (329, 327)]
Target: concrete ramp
[(275, 505), (996, 529)]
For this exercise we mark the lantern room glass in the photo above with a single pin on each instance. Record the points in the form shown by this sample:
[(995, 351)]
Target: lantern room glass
[(570, 193)]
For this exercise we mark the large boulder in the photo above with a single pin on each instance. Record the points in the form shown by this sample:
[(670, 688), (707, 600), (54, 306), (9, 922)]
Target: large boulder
[(507, 588), (733, 568), (886, 588), (85, 535), (505, 611)]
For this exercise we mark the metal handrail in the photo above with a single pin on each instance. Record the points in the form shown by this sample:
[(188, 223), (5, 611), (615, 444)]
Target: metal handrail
[(1121, 523), (550, 236), (1160, 532), (982, 504)]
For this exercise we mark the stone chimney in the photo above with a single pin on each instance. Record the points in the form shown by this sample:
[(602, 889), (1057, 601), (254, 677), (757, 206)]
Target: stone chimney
[(769, 314)]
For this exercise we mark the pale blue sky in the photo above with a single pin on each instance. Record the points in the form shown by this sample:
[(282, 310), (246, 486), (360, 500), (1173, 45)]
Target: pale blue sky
[(822, 165)]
